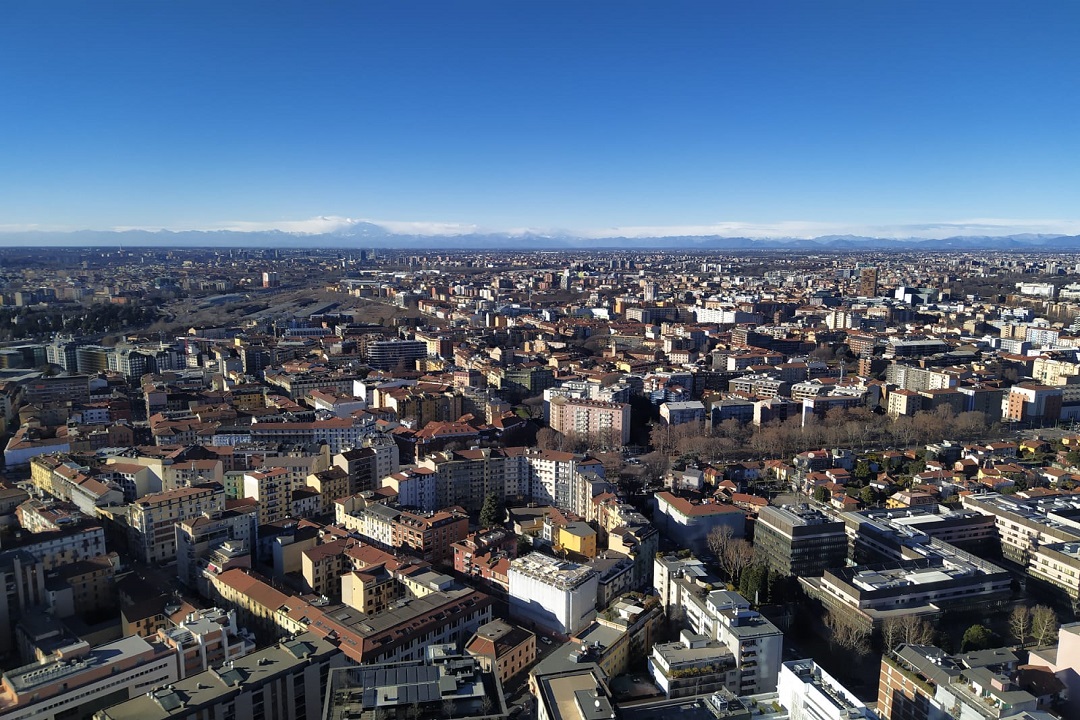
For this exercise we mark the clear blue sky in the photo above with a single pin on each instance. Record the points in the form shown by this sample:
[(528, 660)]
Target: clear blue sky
[(510, 113)]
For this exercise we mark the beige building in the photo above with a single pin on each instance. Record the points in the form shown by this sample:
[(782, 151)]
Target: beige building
[(330, 484), (370, 590), (152, 520), (272, 488), (1057, 565)]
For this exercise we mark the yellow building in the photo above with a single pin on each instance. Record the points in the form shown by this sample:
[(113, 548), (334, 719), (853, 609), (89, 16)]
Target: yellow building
[(578, 537), (370, 590), (330, 484)]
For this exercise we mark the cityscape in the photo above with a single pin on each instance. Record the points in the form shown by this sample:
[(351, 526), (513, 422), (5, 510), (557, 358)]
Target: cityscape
[(540, 360), (378, 484)]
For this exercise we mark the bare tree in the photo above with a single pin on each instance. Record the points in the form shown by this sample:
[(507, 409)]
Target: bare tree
[(448, 708), (905, 630), (718, 540), (1044, 624), (891, 635), (548, 439), (740, 555), (1020, 623), (847, 633), (487, 704), (656, 464)]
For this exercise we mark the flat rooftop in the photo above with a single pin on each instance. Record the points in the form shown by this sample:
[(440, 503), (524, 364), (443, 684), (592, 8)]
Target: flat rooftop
[(560, 573)]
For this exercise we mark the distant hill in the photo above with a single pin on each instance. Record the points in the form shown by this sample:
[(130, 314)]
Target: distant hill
[(368, 235)]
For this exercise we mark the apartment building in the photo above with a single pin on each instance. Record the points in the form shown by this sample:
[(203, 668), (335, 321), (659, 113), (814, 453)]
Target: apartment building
[(273, 489), (286, 681), (330, 485), (198, 537), (1030, 402), (552, 475), (920, 682), (152, 519), (723, 616), (430, 536), (503, 649), (375, 457), (339, 434), (204, 638), (609, 421), (467, 477), (807, 691), (416, 488), (692, 521)]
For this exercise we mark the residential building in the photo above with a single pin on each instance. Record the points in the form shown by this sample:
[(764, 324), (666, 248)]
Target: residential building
[(693, 665), (692, 521), (152, 519), (503, 648), (807, 691), (198, 537), (444, 684), (285, 681), (610, 421), (80, 679), (920, 682)]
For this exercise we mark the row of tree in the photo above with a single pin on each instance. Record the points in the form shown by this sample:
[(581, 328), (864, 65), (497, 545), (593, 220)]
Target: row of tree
[(851, 428), (1036, 625), (29, 322)]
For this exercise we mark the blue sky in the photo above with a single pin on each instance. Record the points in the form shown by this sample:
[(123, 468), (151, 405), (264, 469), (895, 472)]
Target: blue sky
[(755, 117)]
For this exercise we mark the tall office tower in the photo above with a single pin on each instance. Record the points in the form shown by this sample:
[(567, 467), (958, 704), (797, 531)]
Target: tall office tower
[(868, 282)]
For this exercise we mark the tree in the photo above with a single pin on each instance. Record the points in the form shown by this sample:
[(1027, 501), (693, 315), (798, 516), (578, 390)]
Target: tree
[(487, 704), (868, 496), (718, 540), (754, 583), (976, 637), (548, 439), (905, 630), (846, 632), (733, 554), (739, 556), (1020, 623), (493, 512), (656, 464), (822, 494), (1044, 624)]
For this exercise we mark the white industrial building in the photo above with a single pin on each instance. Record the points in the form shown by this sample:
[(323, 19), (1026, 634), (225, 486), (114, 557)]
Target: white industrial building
[(553, 594)]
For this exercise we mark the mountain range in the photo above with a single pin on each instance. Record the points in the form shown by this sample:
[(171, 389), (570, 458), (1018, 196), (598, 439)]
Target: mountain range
[(362, 235)]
